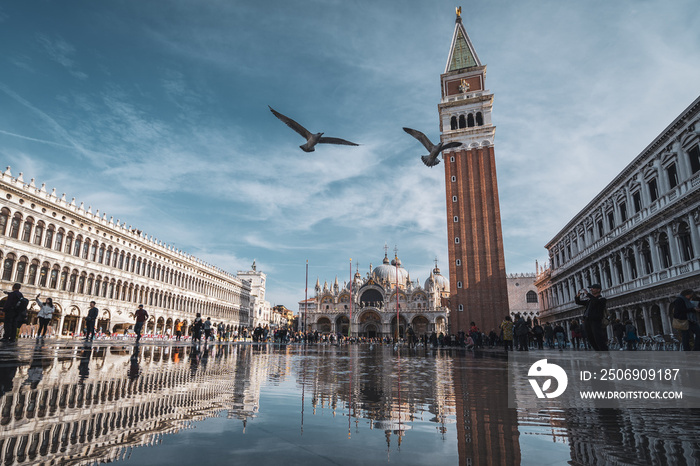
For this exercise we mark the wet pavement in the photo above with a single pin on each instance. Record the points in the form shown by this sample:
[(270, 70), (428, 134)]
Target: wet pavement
[(67, 402)]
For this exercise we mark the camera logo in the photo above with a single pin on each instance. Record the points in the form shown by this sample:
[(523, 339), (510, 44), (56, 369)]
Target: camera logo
[(542, 369)]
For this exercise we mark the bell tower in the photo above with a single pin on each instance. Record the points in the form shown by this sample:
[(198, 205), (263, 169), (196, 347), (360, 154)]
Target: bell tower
[(478, 290)]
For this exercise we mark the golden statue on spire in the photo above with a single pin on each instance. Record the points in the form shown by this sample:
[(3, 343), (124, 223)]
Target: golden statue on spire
[(459, 11)]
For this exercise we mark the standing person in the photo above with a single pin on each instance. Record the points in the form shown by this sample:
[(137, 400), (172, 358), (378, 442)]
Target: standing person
[(11, 313), (45, 314), (141, 317), (90, 321), (521, 333), (197, 328), (619, 332), (631, 336), (207, 329), (549, 335), (507, 329), (560, 335), (594, 315), (682, 310), (220, 331), (538, 332), (178, 331), (575, 334)]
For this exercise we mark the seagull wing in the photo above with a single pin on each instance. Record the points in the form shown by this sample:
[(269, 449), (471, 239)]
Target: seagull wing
[(291, 123), (450, 145), (336, 141), (421, 137)]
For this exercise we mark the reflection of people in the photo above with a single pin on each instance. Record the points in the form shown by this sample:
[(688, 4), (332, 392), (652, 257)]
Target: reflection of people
[(45, 314), (134, 368), (10, 309), (141, 316), (8, 369), (594, 315), (84, 367), (36, 369), (90, 321)]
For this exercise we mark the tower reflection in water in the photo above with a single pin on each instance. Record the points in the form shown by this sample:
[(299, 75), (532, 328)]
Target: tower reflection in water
[(81, 404)]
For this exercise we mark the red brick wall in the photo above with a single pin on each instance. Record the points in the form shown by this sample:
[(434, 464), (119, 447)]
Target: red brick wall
[(482, 272)]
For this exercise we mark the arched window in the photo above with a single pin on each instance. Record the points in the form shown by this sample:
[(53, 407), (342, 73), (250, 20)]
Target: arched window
[(53, 283), (48, 241), (453, 123), (33, 268), (38, 233), (685, 242), (480, 122), (7, 267), (531, 297), (121, 260), (78, 244), (470, 120), (27, 230), (462, 122), (645, 253), (73, 281), (86, 248), (108, 256), (81, 283), (93, 251), (21, 270), (101, 254), (4, 217), (69, 243), (64, 279), (14, 226), (44, 274), (59, 240), (88, 287)]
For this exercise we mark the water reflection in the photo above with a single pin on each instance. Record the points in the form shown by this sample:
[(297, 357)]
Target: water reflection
[(79, 404)]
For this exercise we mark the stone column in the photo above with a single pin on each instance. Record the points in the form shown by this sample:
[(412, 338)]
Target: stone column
[(60, 324), (79, 328), (654, 248), (665, 319), (672, 232), (694, 224), (646, 314)]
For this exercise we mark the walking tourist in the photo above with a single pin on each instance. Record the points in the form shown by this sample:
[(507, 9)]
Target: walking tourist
[(220, 331), (12, 312), (45, 314), (207, 329), (560, 334), (178, 331), (549, 335), (141, 317), (685, 319), (594, 314), (90, 321), (538, 332), (197, 328), (507, 329), (631, 335), (521, 333)]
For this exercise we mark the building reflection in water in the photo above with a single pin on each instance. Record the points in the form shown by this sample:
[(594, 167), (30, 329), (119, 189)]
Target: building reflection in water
[(80, 404)]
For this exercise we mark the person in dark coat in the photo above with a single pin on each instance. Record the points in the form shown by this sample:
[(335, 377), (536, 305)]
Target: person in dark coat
[(682, 310), (10, 321), (90, 322), (594, 315)]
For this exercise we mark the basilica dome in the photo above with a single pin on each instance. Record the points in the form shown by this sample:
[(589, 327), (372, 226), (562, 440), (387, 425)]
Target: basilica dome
[(439, 281), (386, 273)]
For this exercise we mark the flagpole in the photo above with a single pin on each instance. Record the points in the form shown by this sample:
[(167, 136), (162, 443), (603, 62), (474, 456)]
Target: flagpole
[(306, 298), (350, 320), (396, 264)]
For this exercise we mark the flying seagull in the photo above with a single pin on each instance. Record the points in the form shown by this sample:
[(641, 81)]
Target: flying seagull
[(311, 139), (431, 159)]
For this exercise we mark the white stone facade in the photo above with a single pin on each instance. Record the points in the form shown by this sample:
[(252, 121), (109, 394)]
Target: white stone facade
[(639, 238), (522, 295), (62, 250)]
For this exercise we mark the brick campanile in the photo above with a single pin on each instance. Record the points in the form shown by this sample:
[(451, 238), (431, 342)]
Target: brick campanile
[(478, 290)]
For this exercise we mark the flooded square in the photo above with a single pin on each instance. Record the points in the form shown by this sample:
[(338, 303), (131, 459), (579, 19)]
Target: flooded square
[(164, 403)]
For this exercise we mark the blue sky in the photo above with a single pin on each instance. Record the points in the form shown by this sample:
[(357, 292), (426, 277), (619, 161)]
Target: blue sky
[(156, 114)]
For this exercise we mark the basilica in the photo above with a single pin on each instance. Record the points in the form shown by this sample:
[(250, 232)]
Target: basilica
[(367, 306)]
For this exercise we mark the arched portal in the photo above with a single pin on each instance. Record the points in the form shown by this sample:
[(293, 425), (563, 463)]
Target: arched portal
[(402, 326), (342, 325), (323, 325), (421, 326), (370, 324)]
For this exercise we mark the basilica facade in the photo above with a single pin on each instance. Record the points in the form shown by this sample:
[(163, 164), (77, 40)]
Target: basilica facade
[(59, 249), (367, 307)]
